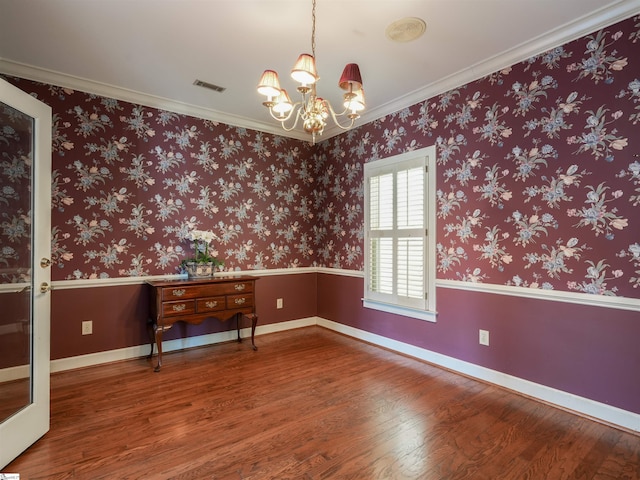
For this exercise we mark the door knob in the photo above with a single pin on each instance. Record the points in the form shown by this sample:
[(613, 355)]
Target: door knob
[(45, 262), (44, 287)]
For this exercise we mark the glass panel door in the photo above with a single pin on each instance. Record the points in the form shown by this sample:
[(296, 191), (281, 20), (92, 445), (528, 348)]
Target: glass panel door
[(25, 239)]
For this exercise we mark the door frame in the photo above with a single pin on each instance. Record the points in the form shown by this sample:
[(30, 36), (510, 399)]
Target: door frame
[(22, 429)]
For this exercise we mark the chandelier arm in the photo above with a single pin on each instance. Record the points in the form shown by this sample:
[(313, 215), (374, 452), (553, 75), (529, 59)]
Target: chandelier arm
[(341, 114), (284, 119), (295, 123), (335, 116)]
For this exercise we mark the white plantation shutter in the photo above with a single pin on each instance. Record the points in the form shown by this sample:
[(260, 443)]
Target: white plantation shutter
[(411, 227), (381, 208), (381, 279), (410, 271), (410, 205), (396, 222)]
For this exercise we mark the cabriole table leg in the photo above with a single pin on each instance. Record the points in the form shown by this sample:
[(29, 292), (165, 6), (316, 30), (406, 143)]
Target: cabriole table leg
[(158, 336), (152, 335), (254, 322)]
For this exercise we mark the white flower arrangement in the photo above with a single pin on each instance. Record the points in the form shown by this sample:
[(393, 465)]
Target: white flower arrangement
[(206, 236), (201, 240)]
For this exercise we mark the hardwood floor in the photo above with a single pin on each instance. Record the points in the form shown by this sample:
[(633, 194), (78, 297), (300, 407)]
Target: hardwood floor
[(310, 404), (14, 395)]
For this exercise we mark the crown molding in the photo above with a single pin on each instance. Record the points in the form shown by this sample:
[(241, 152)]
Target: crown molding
[(566, 33), (51, 77), (562, 35)]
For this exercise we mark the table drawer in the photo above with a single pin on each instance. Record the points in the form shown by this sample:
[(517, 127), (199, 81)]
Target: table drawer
[(239, 301), (210, 290), (171, 309), (210, 304), (179, 293), (236, 287)]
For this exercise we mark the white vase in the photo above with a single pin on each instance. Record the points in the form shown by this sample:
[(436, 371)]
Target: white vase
[(200, 270)]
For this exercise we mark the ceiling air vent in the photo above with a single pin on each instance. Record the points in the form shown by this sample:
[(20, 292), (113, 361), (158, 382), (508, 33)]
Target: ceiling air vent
[(210, 86)]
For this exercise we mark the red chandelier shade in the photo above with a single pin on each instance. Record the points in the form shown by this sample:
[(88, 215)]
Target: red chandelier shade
[(351, 79)]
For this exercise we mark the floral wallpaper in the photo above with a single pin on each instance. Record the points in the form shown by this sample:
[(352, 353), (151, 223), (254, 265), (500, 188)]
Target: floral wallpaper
[(16, 130), (538, 179), (130, 183)]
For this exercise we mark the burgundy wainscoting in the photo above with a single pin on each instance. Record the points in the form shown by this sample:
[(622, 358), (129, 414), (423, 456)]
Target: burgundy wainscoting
[(298, 294), (119, 314), (14, 329), (585, 350)]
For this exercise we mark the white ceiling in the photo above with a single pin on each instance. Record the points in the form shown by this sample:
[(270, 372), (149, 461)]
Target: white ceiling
[(151, 51)]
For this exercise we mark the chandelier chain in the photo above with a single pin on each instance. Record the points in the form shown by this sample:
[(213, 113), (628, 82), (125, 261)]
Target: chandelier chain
[(313, 29)]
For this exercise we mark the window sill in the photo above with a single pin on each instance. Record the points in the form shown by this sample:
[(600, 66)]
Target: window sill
[(428, 315)]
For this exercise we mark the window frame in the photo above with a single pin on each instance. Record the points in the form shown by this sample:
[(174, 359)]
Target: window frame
[(424, 308)]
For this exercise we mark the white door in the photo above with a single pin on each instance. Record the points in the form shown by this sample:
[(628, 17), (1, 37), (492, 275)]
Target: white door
[(25, 274)]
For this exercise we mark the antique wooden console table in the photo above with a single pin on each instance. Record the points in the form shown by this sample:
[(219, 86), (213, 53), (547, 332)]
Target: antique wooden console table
[(192, 301)]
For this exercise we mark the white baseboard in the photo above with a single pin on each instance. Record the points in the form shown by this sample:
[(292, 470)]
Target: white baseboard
[(567, 401), (580, 405), (10, 374)]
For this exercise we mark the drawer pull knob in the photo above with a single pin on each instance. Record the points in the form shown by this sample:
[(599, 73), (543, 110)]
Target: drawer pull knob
[(240, 286), (179, 307), (179, 292), (240, 301), (211, 304)]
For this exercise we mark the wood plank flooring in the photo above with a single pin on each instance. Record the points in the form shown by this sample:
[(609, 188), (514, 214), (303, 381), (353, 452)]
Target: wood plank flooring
[(310, 404)]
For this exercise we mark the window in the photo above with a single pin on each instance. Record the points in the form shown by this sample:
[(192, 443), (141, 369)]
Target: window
[(399, 231)]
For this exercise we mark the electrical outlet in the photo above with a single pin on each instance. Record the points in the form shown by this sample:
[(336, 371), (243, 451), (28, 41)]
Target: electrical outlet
[(484, 337), (87, 327), (279, 303)]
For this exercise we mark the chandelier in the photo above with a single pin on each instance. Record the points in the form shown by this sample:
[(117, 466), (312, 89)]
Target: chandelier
[(313, 111)]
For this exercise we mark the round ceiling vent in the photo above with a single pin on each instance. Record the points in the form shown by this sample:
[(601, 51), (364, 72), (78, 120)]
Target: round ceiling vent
[(406, 29)]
